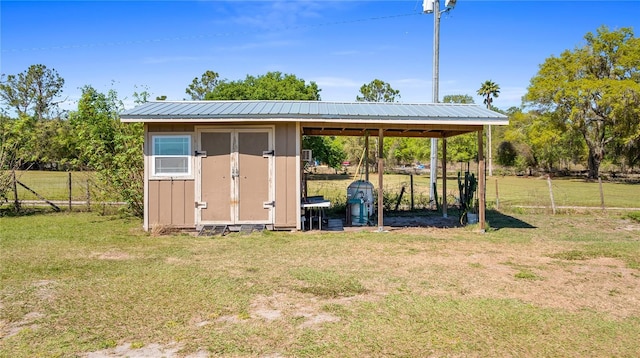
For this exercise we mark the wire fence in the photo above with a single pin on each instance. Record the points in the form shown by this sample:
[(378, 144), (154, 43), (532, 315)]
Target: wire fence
[(80, 191), (69, 191), (406, 192)]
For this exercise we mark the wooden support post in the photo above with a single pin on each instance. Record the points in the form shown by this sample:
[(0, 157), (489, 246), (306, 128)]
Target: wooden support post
[(380, 181), (444, 177), (497, 196), (553, 202), (88, 196), (481, 182), (70, 197), (601, 193), (366, 156), (16, 201), (411, 182)]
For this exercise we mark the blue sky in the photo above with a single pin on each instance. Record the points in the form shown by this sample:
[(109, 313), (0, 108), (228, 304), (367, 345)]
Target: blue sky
[(162, 45)]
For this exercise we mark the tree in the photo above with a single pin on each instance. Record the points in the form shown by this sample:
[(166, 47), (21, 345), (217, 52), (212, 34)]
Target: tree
[(489, 90), (458, 98), (464, 147), (279, 86), (593, 90), (113, 149), (33, 90), (507, 154), (326, 149), (540, 142), (377, 91), (200, 87), (380, 91), (271, 86)]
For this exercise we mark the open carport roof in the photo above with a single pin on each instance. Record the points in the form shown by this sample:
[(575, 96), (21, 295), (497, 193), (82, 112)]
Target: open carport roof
[(328, 118)]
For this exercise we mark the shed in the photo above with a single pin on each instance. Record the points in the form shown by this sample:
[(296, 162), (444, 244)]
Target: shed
[(239, 162)]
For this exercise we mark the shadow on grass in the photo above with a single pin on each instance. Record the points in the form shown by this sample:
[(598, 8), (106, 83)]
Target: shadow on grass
[(320, 177), (434, 219), (9, 211), (499, 221)]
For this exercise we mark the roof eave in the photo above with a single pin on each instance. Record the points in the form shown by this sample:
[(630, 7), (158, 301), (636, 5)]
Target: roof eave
[(324, 119)]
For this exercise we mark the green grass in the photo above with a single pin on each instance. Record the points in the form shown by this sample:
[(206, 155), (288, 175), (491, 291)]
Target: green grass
[(634, 215), (326, 283), (77, 283)]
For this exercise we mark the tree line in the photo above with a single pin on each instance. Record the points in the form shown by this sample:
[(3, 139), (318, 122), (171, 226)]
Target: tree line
[(581, 108)]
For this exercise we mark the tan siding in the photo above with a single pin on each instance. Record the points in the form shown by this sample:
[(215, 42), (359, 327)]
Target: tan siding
[(286, 200), (177, 202), (153, 203), (164, 202), (171, 127), (189, 202), (171, 202)]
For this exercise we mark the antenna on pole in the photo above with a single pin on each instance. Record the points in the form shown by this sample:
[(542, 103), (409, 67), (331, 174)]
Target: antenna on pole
[(449, 4), (427, 6)]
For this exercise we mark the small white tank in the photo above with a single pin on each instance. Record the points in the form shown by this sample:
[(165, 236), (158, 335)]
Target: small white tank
[(360, 196)]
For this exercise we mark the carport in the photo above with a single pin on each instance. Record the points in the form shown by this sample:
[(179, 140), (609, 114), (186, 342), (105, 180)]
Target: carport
[(238, 163)]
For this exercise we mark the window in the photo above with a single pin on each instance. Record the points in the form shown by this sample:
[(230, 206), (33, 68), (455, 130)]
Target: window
[(171, 155)]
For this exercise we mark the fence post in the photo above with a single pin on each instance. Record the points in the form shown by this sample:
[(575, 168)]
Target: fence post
[(497, 196), (69, 191), (553, 203), (16, 201), (601, 193), (88, 196), (411, 182)]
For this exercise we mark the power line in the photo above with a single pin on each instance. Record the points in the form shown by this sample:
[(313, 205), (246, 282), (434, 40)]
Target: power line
[(202, 36)]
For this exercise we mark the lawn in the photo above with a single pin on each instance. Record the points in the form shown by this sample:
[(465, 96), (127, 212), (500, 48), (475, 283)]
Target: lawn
[(533, 285)]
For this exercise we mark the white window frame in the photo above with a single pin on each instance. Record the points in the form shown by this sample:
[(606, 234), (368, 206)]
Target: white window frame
[(188, 156)]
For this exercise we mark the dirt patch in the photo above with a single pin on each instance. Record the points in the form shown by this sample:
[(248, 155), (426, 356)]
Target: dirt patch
[(151, 350), (292, 305), (44, 291), (462, 269), (27, 322)]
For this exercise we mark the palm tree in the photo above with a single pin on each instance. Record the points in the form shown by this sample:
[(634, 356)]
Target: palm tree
[(489, 90)]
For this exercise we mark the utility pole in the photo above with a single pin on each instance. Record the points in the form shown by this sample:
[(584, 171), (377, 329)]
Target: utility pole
[(433, 6)]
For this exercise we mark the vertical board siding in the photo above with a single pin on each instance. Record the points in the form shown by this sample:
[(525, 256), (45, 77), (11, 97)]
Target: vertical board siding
[(286, 201), (171, 203)]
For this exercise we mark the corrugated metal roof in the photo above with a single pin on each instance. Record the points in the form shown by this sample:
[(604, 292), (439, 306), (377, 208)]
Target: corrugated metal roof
[(313, 111)]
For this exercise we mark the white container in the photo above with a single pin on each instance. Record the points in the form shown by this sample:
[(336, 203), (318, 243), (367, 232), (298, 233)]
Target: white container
[(360, 197)]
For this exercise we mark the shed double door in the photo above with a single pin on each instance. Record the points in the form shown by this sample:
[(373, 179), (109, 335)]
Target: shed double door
[(234, 183)]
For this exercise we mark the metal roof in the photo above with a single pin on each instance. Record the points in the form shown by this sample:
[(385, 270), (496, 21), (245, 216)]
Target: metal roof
[(313, 111)]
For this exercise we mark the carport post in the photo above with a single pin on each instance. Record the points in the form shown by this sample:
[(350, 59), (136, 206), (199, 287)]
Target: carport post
[(481, 181), (380, 174), (444, 177), (366, 156)]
